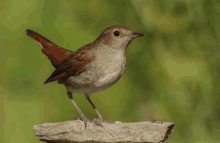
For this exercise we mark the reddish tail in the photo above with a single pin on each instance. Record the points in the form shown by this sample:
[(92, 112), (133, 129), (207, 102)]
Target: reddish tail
[(55, 53)]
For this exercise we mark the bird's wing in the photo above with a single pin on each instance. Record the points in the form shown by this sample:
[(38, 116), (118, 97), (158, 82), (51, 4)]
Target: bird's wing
[(65, 61), (55, 53), (73, 65)]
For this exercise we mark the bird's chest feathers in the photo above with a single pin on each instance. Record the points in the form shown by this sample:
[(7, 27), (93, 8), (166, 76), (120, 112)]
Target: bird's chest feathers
[(111, 66)]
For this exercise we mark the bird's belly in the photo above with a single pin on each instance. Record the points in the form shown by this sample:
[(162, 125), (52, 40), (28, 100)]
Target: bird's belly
[(99, 76), (108, 79), (86, 84)]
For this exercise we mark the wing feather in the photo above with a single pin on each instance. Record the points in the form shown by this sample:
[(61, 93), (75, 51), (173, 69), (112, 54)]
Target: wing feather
[(73, 65)]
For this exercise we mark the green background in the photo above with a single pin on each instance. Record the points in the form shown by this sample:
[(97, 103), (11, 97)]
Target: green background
[(172, 74)]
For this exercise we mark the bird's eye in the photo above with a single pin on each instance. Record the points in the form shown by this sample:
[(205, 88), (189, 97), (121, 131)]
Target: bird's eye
[(116, 33)]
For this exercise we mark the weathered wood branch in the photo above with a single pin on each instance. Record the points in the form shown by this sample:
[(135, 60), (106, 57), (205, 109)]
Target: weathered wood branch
[(74, 131)]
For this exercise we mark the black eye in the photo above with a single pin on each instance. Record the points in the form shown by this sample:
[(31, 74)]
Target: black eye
[(116, 33)]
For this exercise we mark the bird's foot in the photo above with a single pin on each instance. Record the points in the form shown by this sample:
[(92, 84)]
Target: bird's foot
[(95, 121), (155, 121), (104, 121)]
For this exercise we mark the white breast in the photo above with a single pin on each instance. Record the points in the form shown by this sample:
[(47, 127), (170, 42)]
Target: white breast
[(112, 67), (107, 68)]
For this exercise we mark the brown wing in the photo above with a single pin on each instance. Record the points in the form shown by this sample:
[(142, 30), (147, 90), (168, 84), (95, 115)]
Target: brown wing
[(73, 65), (55, 53)]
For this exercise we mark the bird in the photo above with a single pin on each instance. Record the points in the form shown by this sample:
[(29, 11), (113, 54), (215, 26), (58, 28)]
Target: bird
[(92, 68)]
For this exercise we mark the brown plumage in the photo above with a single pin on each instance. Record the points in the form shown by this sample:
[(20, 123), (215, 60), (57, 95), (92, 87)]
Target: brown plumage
[(65, 61), (92, 68)]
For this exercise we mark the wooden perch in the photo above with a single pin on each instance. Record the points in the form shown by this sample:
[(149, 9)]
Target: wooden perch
[(74, 131)]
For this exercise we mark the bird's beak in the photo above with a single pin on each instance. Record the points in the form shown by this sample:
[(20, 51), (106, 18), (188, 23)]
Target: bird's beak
[(137, 35)]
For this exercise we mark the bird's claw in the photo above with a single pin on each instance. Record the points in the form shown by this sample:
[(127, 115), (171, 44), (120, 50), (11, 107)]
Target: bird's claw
[(155, 121), (96, 121)]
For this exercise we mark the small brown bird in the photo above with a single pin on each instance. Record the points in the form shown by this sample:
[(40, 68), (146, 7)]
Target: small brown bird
[(92, 68)]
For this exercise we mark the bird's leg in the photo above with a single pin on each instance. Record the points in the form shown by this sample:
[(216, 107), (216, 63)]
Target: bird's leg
[(83, 117), (96, 110), (100, 118)]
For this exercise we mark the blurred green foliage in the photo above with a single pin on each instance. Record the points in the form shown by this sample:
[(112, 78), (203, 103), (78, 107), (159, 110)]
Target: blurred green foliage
[(172, 75)]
